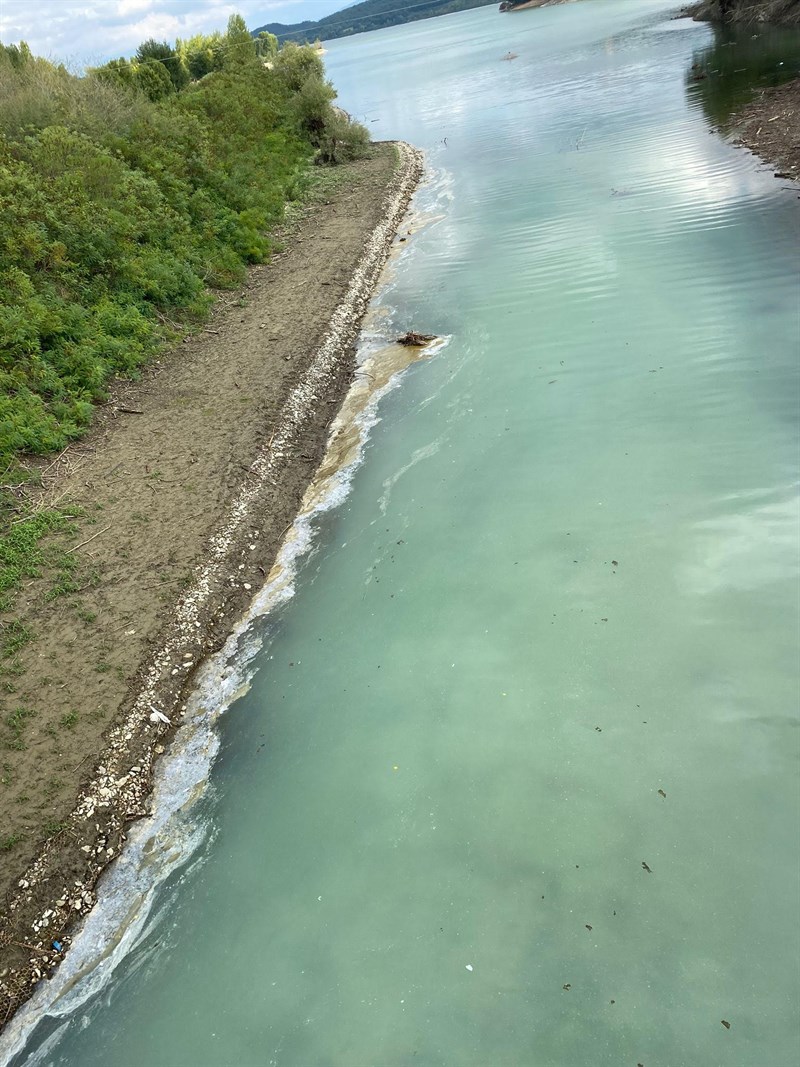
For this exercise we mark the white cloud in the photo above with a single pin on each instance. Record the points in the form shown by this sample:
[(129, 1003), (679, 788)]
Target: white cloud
[(86, 32), (129, 7)]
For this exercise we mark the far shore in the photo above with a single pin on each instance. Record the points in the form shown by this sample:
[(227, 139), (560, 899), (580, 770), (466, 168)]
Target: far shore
[(532, 3)]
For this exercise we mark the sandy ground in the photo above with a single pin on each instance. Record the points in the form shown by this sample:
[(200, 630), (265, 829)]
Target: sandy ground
[(185, 488), (770, 127)]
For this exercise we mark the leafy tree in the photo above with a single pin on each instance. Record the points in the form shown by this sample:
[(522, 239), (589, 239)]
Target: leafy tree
[(266, 45), (240, 48), (202, 54), (295, 64), (153, 79), (152, 51)]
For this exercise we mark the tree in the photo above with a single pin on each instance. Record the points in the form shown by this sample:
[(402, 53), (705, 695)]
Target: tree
[(161, 52), (153, 79), (296, 63), (266, 45), (240, 48), (202, 54)]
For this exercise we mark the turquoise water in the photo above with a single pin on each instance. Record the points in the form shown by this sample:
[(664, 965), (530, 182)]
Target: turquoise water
[(566, 578)]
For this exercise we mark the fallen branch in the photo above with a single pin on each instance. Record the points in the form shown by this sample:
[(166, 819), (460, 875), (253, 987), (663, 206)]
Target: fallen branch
[(88, 539)]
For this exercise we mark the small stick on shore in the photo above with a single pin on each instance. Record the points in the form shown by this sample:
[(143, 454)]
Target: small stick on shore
[(88, 539)]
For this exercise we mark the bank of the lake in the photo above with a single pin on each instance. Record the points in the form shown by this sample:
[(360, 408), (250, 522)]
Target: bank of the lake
[(185, 488), (770, 126)]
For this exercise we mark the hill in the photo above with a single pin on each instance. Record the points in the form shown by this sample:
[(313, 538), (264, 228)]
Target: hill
[(369, 15)]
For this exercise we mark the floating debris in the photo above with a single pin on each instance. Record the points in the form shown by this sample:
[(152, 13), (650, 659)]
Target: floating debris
[(416, 340), (661, 793), (646, 868), (725, 1023)]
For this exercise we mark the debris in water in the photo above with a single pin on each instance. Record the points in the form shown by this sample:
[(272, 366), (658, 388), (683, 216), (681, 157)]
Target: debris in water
[(416, 340), (614, 563), (646, 868), (469, 966), (566, 987), (726, 1024), (661, 793), (588, 927)]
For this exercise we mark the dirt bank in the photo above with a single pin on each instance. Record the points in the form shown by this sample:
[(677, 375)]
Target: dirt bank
[(746, 12), (182, 493), (770, 127)]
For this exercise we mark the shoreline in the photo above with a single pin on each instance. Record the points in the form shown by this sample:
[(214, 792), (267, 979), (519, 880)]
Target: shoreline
[(769, 126), (57, 888)]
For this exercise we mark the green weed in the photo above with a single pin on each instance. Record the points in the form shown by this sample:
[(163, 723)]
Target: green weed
[(14, 635)]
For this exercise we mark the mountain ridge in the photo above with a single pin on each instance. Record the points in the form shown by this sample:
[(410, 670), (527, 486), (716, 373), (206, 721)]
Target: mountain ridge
[(368, 15)]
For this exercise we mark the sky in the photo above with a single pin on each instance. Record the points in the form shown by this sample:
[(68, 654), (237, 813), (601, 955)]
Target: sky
[(87, 32)]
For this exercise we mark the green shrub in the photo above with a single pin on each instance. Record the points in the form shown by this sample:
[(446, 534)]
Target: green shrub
[(125, 194)]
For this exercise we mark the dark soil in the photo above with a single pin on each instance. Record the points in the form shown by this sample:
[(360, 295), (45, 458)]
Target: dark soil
[(770, 127)]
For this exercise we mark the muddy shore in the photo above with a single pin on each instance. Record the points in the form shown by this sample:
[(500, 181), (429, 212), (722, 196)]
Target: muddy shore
[(770, 126), (183, 493)]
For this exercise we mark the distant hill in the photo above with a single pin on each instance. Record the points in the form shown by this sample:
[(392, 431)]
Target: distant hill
[(369, 15)]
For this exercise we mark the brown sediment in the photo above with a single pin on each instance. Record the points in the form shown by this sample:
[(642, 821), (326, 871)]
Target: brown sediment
[(770, 126), (187, 485)]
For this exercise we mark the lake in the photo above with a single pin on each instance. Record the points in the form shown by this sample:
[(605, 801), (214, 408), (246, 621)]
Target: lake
[(515, 781)]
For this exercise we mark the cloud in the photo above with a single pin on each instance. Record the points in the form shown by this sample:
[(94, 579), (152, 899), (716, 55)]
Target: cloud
[(87, 32)]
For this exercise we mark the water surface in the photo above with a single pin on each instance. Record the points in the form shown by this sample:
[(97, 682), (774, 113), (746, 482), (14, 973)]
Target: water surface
[(516, 781)]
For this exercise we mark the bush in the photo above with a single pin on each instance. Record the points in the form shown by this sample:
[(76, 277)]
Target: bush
[(125, 193)]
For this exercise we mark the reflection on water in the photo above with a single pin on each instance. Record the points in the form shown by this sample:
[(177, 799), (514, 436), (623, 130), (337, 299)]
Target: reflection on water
[(742, 59), (516, 779)]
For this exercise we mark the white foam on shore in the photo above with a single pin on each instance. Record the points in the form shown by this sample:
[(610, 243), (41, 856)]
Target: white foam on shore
[(156, 847)]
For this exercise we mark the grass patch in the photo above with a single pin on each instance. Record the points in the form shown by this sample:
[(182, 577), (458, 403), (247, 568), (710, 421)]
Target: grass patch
[(14, 635), (7, 843), (16, 722), (22, 548)]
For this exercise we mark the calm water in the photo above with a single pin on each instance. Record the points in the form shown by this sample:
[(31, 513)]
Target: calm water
[(566, 579)]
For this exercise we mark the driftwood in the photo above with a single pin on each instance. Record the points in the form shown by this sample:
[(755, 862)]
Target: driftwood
[(417, 340)]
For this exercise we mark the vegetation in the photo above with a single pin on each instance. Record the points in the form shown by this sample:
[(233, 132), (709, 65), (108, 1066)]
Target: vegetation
[(126, 194), (370, 15)]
